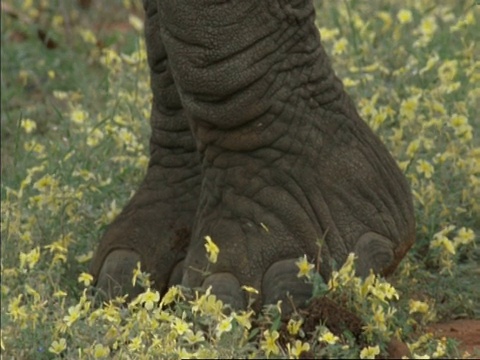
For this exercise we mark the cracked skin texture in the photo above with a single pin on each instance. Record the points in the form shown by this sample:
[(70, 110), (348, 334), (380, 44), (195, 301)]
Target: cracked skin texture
[(256, 144)]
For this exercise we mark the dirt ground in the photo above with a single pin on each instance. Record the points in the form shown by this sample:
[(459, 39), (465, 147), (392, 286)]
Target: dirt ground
[(466, 331)]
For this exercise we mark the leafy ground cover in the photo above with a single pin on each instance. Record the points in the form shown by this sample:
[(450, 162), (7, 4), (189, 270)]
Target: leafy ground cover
[(74, 116)]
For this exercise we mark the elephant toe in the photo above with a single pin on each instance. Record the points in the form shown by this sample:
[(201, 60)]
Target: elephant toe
[(226, 288), (115, 276), (374, 252), (281, 282)]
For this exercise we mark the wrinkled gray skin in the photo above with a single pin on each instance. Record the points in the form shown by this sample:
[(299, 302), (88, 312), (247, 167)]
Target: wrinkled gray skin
[(256, 144)]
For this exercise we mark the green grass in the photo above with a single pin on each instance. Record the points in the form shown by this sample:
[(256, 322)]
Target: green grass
[(74, 122)]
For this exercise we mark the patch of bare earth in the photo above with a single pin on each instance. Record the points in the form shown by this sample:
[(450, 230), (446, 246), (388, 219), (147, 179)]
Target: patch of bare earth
[(465, 331)]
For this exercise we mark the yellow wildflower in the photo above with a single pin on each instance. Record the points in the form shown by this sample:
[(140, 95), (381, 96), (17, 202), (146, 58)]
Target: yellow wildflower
[(111, 214), (73, 315), (294, 326), (136, 273), (244, 318), (369, 352), (163, 316), (461, 126), (428, 26), (379, 318), (85, 278), (383, 290), (441, 348), (367, 284), (30, 259), (110, 58), (249, 289), (78, 116), (408, 107), (447, 71), (16, 311), (36, 147), (469, 19), (457, 121), (297, 349), (193, 338), (441, 241), (60, 95), (32, 292), (60, 293), (136, 343), (464, 237), (28, 125), (125, 137), (386, 18), (333, 281), (180, 326), (212, 306), (269, 344), (340, 46), (224, 326), (136, 22), (184, 354), (84, 257), (100, 351), (328, 34), (172, 295), (348, 82), (58, 346), (425, 168), (45, 183), (94, 137), (404, 16), (88, 36), (417, 306), (328, 337), (304, 267), (212, 249), (206, 303), (149, 298), (413, 148), (347, 271)]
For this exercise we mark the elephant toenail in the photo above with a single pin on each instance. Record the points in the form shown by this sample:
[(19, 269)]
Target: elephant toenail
[(226, 288), (281, 282), (115, 277)]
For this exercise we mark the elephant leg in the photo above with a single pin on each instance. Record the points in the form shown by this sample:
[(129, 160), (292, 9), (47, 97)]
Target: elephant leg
[(286, 161), (226, 62), (154, 227)]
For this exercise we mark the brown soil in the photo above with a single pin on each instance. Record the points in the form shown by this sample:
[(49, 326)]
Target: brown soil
[(335, 317), (465, 331)]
